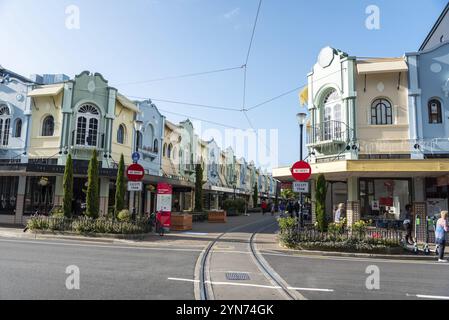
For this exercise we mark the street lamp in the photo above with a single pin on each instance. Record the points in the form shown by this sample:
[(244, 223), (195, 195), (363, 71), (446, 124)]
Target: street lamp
[(138, 126), (301, 117)]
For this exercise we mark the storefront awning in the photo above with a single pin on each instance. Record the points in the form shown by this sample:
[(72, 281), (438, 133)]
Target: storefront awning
[(47, 91), (127, 103), (370, 66)]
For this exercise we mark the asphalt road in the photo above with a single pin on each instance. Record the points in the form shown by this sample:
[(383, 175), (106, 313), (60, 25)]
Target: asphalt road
[(37, 270), (345, 278)]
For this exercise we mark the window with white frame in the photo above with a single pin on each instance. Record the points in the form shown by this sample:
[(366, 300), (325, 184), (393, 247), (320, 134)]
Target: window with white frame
[(18, 128), (435, 112), (121, 134), (87, 124), (5, 120)]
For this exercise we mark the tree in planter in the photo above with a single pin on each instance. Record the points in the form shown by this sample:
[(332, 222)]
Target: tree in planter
[(120, 188), (255, 195), (199, 188), (321, 191), (92, 196), (68, 188)]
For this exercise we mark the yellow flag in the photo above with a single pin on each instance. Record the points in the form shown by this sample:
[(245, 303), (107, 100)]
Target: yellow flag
[(304, 95)]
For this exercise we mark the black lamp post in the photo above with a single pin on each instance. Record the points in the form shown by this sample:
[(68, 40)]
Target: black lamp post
[(301, 117)]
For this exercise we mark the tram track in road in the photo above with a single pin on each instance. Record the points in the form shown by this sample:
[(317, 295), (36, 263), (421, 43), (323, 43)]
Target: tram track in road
[(205, 287)]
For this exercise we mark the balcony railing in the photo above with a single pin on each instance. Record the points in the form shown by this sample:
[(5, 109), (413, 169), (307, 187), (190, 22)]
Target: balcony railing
[(329, 132)]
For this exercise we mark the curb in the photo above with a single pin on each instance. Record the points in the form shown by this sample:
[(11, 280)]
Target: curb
[(353, 255)]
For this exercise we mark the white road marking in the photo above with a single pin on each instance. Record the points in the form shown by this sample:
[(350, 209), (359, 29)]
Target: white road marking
[(250, 285), (311, 289), (184, 280), (423, 296)]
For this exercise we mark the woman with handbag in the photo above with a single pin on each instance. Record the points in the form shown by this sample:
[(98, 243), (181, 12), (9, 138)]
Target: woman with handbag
[(441, 229)]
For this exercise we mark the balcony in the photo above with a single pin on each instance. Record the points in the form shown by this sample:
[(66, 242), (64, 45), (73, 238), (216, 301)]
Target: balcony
[(189, 168), (149, 152), (329, 134)]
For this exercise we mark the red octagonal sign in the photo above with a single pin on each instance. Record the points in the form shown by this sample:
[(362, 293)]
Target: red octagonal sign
[(301, 171), (135, 172)]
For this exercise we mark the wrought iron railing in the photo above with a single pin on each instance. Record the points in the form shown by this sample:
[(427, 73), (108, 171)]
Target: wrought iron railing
[(330, 131)]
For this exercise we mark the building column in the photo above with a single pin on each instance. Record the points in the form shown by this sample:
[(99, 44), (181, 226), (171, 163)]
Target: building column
[(20, 200), (419, 189), (420, 223), (148, 202), (59, 191), (313, 194), (353, 205), (104, 196)]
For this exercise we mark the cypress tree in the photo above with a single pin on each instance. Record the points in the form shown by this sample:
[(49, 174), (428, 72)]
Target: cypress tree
[(321, 191), (93, 195), (68, 187), (199, 188), (120, 188), (255, 195)]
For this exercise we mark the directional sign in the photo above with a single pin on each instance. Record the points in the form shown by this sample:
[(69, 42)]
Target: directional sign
[(301, 187), (135, 156), (301, 171), (135, 186), (135, 172)]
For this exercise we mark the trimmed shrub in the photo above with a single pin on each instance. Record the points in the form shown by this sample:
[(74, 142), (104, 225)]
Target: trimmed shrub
[(124, 216)]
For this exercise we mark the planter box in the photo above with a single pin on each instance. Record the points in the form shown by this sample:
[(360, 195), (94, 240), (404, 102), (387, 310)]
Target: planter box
[(217, 217), (181, 222)]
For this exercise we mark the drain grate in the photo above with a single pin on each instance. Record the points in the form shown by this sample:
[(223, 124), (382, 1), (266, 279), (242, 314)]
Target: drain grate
[(237, 276)]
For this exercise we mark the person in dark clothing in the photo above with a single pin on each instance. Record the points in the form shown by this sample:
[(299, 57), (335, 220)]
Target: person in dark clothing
[(290, 208), (408, 224), (296, 208)]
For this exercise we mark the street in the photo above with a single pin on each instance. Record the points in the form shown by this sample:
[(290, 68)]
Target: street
[(167, 269)]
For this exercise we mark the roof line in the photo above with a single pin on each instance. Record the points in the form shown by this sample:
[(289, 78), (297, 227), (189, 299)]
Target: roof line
[(435, 27)]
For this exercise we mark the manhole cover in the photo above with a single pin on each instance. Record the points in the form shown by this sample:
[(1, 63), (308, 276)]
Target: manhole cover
[(237, 276)]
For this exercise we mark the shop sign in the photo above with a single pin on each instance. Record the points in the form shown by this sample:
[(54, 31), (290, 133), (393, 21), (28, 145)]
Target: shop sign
[(135, 186)]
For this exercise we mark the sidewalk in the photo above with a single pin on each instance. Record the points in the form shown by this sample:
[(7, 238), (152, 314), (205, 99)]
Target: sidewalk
[(199, 237)]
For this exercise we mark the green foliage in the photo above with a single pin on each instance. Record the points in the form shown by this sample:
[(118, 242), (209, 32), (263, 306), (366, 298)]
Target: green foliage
[(58, 213), (92, 196), (255, 195), (120, 186), (68, 187), (337, 229), (124, 216), (288, 231), (288, 194), (86, 225), (199, 187), (320, 193), (236, 206)]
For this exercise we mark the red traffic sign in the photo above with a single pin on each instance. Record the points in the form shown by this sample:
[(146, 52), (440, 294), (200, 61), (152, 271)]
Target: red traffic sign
[(135, 172), (301, 171)]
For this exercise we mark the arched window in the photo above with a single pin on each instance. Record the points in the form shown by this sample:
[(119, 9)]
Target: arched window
[(156, 146), (48, 126), (170, 148), (381, 112), (5, 118), (121, 133), (18, 128), (87, 126), (164, 150), (175, 153), (435, 112), (332, 116)]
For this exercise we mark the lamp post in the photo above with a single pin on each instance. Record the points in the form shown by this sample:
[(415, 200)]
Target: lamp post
[(234, 185), (138, 126), (301, 117)]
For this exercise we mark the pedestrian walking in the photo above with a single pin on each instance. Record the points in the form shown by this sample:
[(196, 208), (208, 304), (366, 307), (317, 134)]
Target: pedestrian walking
[(441, 229), (340, 213), (408, 225), (273, 208), (264, 207)]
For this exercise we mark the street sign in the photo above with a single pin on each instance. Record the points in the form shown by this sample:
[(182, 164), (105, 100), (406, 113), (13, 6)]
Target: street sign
[(135, 156), (135, 172), (301, 187), (301, 171), (135, 186)]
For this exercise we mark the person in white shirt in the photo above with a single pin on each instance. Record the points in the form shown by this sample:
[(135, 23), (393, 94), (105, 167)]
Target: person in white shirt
[(340, 213)]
